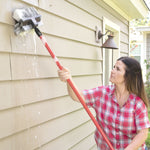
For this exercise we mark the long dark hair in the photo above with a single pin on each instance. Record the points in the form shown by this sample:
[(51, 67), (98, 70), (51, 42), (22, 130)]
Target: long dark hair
[(133, 78)]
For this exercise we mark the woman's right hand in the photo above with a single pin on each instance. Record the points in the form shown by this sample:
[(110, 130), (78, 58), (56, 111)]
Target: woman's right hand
[(64, 74)]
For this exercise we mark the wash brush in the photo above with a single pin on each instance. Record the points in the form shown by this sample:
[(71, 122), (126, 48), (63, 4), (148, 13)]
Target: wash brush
[(29, 18)]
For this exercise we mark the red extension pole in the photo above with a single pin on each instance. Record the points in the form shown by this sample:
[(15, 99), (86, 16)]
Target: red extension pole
[(73, 88)]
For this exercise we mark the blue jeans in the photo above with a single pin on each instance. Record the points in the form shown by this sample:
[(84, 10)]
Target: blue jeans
[(146, 148)]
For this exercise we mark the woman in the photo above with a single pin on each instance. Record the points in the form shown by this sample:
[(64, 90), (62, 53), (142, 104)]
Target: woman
[(121, 108)]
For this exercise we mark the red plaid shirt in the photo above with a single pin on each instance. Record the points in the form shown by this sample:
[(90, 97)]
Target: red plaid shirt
[(119, 124)]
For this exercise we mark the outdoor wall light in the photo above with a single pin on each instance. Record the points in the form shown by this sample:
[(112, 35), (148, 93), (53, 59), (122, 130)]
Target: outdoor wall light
[(109, 43)]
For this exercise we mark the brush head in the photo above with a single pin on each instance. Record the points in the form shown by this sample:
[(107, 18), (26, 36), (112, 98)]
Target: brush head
[(26, 19)]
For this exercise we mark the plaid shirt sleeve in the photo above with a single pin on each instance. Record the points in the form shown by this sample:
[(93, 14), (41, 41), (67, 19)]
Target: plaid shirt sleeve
[(92, 95), (141, 115)]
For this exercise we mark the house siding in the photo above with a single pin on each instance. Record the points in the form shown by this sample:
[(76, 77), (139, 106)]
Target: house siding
[(148, 46), (36, 112)]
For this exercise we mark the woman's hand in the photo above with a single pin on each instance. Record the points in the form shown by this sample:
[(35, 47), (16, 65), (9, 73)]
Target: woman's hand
[(64, 74)]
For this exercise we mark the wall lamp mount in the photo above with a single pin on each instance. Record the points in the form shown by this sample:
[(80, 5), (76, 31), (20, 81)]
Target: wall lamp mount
[(109, 43)]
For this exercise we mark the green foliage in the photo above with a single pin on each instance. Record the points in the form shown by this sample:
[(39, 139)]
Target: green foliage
[(147, 84), (149, 114), (140, 22), (148, 139)]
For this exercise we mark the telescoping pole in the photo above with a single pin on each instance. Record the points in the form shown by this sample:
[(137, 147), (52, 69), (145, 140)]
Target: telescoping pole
[(73, 87)]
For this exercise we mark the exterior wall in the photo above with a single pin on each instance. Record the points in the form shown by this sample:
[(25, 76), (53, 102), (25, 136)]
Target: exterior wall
[(147, 49), (148, 46), (140, 39), (35, 110)]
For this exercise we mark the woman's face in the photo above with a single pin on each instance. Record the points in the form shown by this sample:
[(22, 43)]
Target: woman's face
[(117, 73)]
